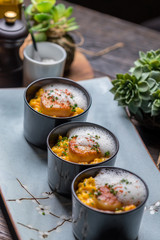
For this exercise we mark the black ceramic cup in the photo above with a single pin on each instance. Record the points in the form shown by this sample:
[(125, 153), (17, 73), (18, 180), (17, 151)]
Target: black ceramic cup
[(36, 125), (90, 223), (62, 172)]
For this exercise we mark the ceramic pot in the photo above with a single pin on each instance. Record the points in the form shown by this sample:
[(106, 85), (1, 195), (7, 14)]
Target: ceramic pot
[(37, 126), (62, 172), (90, 223)]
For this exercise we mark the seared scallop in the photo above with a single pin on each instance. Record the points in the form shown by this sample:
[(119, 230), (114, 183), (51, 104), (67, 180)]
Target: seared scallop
[(83, 151), (55, 104), (106, 200)]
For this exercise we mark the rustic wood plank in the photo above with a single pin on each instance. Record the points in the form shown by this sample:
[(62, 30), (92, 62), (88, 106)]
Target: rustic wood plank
[(105, 31), (4, 232)]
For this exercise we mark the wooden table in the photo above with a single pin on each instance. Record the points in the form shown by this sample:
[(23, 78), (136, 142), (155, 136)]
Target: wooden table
[(101, 31)]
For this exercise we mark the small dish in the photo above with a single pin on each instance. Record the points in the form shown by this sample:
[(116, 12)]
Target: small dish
[(92, 223), (61, 172), (37, 125)]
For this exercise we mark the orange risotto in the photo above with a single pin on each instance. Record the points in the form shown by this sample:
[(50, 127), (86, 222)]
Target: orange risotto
[(63, 150)]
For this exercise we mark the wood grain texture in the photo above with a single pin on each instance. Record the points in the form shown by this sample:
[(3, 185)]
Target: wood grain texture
[(4, 233), (101, 31)]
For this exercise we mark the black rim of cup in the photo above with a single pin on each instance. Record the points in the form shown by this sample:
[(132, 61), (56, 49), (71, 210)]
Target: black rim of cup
[(75, 84), (108, 212), (89, 124)]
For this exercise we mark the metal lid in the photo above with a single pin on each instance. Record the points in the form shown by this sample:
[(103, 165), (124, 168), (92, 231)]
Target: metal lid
[(10, 17), (10, 28)]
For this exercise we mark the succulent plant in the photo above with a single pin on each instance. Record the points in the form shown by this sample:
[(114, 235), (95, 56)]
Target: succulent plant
[(140, 91), (45, 15), (148, 61), (155, 108), (130, 91)]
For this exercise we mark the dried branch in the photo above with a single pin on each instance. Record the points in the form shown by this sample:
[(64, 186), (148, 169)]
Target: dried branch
[(28, 191), (51, 230), (21, 199), (36, 199), (59, 225), (29, 227)]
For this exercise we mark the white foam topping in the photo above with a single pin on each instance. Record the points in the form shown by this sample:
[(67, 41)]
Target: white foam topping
[(91, 136), (67, 93), (130, 189)]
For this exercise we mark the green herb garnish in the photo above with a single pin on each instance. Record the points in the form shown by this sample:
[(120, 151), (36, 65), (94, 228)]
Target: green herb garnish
[(64, 153), (64, 138), (107, 154)]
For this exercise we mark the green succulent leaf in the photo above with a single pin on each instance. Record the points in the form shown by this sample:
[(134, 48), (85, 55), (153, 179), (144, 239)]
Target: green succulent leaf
[(155, 64), (41, 27), (71, 28), (143, 86), (144, 76), (145, 95), (39, 1), (155, 75), (44, 7), (151, 82), (153, 85), (132, 108), (127, 77), (61, 10), (146, 106), (142, 54), (71, 20), (155, 111), (119, 76), (40, 17), (146, 68), (68, 12), (137, 72), (29, 10), (155, 108), (55, 15)]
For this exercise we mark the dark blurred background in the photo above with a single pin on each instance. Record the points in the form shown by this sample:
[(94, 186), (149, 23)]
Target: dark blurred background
[(144, 12)]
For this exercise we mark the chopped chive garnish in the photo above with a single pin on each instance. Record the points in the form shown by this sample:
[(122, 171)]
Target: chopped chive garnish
[(64, 138), (64, 153), (107, 154)]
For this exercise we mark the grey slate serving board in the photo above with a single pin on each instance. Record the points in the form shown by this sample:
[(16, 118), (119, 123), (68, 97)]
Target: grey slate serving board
[(24, 167)]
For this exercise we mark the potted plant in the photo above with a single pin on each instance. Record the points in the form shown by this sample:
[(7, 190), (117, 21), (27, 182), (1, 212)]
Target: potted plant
[(53, 22), (139, 91)]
